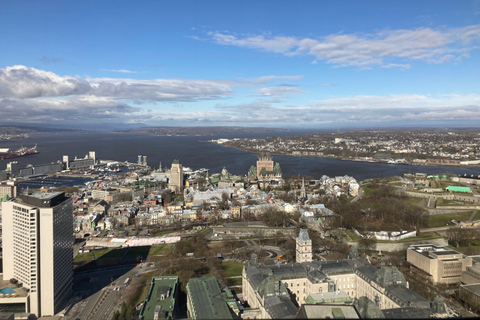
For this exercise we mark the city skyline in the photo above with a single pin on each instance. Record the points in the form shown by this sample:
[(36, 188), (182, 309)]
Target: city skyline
[(284, 64)]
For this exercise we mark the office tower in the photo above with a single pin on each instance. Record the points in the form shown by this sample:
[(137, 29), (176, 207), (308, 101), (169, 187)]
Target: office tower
[(176, 176), (38, 248)]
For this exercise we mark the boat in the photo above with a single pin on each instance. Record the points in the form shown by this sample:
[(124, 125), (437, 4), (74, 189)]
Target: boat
[(23, 151)]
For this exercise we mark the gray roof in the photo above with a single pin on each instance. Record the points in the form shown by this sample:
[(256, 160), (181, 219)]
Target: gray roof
[(303, 236), (406, 313), (325, 311), (280, 307)]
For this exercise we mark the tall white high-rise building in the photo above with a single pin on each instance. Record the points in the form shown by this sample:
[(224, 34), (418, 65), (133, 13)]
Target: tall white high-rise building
[(38, 248)]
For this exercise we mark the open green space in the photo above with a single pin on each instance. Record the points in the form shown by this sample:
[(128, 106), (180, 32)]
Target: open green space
[(367, 191), (234, 281), (205, 230), (353, 235), (415, 201), (155, 250), (162, 233), (232, 268), (442, 220), (445, 202)]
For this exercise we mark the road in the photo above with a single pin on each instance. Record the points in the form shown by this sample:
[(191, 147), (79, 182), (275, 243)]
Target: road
[(95, 292)]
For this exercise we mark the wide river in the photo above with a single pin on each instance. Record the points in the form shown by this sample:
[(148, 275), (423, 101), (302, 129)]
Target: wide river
[(196, 153)]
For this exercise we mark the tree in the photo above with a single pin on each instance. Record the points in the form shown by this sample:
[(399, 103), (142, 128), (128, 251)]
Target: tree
[(454, 234), (368, 242)]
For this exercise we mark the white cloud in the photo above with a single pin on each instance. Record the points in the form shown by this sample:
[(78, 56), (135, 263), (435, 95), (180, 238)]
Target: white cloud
[(120, 70), (279, 91), (396, 65), (364, 50)]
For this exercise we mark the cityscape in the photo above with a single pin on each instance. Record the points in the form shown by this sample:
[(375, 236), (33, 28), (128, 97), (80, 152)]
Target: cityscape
[(239, 160)]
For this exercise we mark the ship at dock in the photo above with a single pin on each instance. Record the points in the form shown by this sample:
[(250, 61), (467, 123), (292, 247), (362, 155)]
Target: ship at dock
[(6, 153)]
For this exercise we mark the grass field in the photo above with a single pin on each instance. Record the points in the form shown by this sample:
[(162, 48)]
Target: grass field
[(162, 233), (441, 220), (367, 191), (234, 281), (232, 268), (415, 201), (155, 250), (353, 235)]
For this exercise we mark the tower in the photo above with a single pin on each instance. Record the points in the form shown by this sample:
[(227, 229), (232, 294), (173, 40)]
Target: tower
[(303, 193), (91, 155), (66, 162), (139, 161), (176, 176), (264, 161), (304, 247), (145, 161), (40, 225)]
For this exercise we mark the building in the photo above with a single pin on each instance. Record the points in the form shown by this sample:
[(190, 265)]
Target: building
[(176, 177), (266, 173), (160, 301), (38, 249), (9, 188), (443, 264), (304, 247), (277, 291), (205, 300)]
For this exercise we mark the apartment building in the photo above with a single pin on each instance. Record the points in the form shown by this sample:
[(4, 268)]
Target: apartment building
[(38, 248)]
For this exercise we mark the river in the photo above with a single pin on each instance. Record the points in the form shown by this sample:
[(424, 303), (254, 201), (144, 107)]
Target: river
[(195, 152)]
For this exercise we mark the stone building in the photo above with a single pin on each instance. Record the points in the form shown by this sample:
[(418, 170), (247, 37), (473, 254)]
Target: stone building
[(443, 264), (269, 290), (176, 177)]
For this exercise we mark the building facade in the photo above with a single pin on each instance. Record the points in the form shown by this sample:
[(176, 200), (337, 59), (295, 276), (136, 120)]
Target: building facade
[(38, 248), (304, 247), (176, 177), (443, 264)]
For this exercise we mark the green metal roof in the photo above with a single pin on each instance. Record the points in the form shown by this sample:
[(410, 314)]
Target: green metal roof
[(160, 298), (207, 300), (458, 189)]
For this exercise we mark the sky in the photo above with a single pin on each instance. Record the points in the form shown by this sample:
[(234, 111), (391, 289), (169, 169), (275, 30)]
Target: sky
[(289, 64)]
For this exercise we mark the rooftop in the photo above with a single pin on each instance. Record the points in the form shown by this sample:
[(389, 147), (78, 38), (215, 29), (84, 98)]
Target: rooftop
[(16, 291), (160, 302)]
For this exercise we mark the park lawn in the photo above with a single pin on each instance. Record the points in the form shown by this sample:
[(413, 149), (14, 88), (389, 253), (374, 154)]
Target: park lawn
[(367, 191), (234, 281), (353, 235), (157, 249), (441, 220), (444, 202), (205, 230), (88, 256), (160, 249), (162, 233), (232, 268), (414, 201)]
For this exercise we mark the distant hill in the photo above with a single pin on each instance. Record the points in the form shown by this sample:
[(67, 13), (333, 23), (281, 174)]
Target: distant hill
[(200, 131)]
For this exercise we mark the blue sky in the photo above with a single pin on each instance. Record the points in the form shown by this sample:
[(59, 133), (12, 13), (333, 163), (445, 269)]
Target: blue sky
[(309, 64)]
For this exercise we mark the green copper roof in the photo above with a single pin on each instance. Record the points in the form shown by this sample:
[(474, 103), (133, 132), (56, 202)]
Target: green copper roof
[(207, 300), (160, 299)]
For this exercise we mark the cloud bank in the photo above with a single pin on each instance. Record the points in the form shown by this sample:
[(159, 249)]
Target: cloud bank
[(29, 95), (365, 50)]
